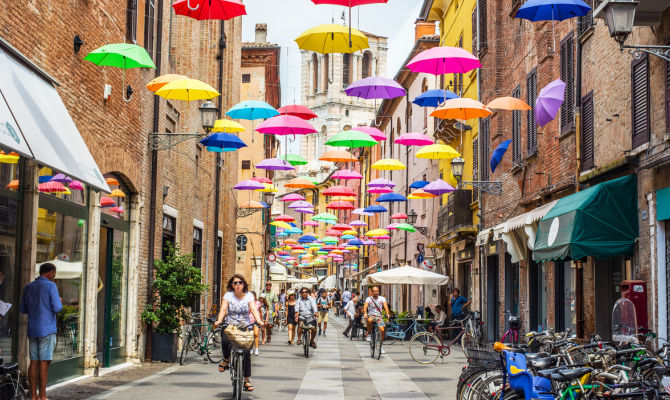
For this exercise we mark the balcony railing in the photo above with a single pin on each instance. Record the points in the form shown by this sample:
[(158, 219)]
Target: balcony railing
[(456, 213), (585, 23)]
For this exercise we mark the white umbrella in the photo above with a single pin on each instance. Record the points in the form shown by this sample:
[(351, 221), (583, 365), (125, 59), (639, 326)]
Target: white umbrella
[(405, 275), (328, 282), (64, 269)]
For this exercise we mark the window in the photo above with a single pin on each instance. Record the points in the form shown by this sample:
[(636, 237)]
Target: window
[(475, 168), (568, 76), (640, 100), (667, 96), (246, 78), (197, 262), (315, 67), (241, 243), (367, 64), (531, 95), (585, 23), (484, 137), (516, 129), (131, 21), (474, 30), (149, 22), (346, 64), (483, 23), (169, 234), (587, 132), (246, 164)]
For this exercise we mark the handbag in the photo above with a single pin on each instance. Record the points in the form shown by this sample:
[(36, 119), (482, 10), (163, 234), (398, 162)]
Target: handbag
[(241, 338)]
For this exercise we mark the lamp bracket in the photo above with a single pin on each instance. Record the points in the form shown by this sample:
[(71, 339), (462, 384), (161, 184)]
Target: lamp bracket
[(422, 230), (637, 50), (490, 187), (380, 245), (163, 141), (245, 212)]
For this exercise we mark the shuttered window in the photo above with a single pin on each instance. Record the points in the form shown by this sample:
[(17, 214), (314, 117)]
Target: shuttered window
[(346, 61), (531, 95), (568, 76), (484, 136), (131, 21), (246, 164), (587, 132), (475, 168), (667, 96), (149, 22), (474, 31), (483, 24), (516, 129), (640, 100)]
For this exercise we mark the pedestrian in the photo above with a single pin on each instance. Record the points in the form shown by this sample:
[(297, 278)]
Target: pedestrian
[(282, 298), (273, 306), (323, 304), (346, 296), (337, 302), (458, 303), (40, 300), (264, 317), (235, 308), (257, 330), (350, 314), (290, 316)]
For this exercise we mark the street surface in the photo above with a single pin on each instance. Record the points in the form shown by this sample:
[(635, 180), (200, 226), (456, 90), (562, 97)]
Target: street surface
[(338, 369)]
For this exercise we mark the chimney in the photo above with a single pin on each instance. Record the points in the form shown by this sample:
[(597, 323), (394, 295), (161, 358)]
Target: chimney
[(423, 28), (261, 33)]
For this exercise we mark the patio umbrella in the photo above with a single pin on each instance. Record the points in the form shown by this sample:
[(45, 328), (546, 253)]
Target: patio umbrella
[(388, 164), (418, 184), (414, 139), (498, 154), (292, 197), (252, 109), (508, 103), (252, 204), (358, 222), (285, 125), (434, 97), (375, 209), (552, 10), (549, 101), (340, 205), (332, 38), (300, 204), (438, 187), (461, 108), (299, 183), (160, 81), (337, 156), (297, 111), (294, 159), (375, 133), (399, 216), (444, 60), (405, 276), (275, 164), (209, 9), (437, 151), (390, 198), (351, 138), (375, 87), (345, 174), (406, 227), (285, 218), (379, 190), (381, 182), (222, 141), (187, 90)]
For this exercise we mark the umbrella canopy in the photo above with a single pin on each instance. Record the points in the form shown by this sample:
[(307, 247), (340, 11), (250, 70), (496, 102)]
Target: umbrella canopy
[(351, 138), (332, 38), (388, 164), (375, 87), (420, 194), (508, 103), (299, 183), (209, 9), (306, 239), (187, 90), (297, 111), (392, 226), (252, 204), (418, 184), (300, 204), (342, 227), (76, 185), (337, 156), (552, 10), (414, 139), (346, 174), (222, 141), (340, 205), (434, 97), (14, 184), (437, 151), (160, 81), (61, 178), (380, 190), (358, 222), (285, 218), (54, 187), (399, 216), (376, 232), (438, 187), (285, 125), (294, 159), (390, 198), (406, 227), (324, 217), (227, 125), (104, 201), (549, 101), (405, 276), (304, 210), (361, 211), (461, 108), (275, 164), (339, 191), (121, 55), (349, 3), (498, 154), (262, 179), (117, 193), (444, 60), (293, 197), (252, 109), (375, 209), (374, 133), (310, 223), (381, 182)]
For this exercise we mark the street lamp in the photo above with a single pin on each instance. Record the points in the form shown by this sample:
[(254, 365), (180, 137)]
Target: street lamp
[(492, 187), (269, 198), (208, 115), (411, 217), (457, 168)]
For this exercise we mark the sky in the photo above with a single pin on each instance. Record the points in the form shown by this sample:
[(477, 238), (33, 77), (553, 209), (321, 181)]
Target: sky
[(287, 19)]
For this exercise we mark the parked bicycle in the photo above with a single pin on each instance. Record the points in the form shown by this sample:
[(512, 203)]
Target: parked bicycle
[(207, 343), (512, 333), (394, 331), (10, 382), (426, 347)]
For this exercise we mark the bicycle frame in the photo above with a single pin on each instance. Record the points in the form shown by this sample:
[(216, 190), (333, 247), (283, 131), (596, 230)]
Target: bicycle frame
[(442, 346), (415, 327), (513, 334)]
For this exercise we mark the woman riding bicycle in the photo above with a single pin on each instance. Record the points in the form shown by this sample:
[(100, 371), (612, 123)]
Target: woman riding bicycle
[(235, 307)]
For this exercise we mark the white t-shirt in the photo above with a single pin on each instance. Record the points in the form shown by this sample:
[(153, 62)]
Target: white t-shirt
[(238, 309), (379, 302), (350, 309)]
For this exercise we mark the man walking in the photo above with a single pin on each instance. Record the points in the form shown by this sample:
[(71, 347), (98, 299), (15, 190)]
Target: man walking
[(40, 300), (350, 314), (273, 305)]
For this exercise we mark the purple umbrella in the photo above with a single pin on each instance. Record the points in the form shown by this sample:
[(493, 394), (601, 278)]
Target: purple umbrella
[(300, 204), (304, 210), (375, 87), (438, 187), (61, 178), (368, 242), (359, 211), (249, 185), (549, 101), (381, 182), (358, 222), (275, 164)]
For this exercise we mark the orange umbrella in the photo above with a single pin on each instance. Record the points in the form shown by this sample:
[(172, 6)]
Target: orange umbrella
[(299, 183), (117, 193), (337, 156), (163, 80), (461, 108), (112, 181), (508, 103), (252, 204), (13, 184)]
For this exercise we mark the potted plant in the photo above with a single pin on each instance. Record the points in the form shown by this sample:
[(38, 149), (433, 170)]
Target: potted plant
[(176, 284)]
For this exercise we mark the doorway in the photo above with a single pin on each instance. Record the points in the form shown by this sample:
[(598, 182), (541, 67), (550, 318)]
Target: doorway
[(492, 279), (607, 282)]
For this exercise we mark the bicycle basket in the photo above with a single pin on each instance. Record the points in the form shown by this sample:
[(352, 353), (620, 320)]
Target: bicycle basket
[(241, 338), (479, 357)]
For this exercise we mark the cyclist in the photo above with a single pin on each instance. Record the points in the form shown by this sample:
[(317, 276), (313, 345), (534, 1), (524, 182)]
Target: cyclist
[(235, 308), (273, 305), (372, 312), (323, 304), (305, 310)]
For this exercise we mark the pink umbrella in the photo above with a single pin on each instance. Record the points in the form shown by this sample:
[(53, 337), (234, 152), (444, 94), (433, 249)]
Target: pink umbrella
[(548, 102), (300, 204), (383, 237), (293, 197), (297, 110), (399, 216), (275, 164), (375, 133), (379, 182), (310, 223), (346, 174), (76, 185), (285, 125), (414, 139), (51, 187), (378, 190), (333, 232), (116, 209), (444, 60), (438, 187), (368, 242), (358, 222), (392, 226)]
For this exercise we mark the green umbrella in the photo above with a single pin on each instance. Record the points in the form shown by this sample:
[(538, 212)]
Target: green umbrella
[(351, 139), (121, 55), (406, 227), (324, 216), (293, 159), (329, 239)]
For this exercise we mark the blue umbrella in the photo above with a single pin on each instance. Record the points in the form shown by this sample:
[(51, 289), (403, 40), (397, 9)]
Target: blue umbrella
[(252, 109), (390, 198), (44, 178), (345, 237), (306, 239), (221, 141), (264, 204), (294, 231), (375, 209), (498, 154), (552, 10), (434, 97), (281, 234), (355, 242), (418, 184)]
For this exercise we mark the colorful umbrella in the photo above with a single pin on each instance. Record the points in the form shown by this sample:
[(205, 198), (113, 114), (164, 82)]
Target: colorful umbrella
[(388, 164), (160, 81), (294, 159), (11, 158), (121, 55), (275, 164), (252, 109), (338, 191), (299, 183), (392, 226), (210, 9), (292, 197), (187, 90), (361, 211), (406, 227), (332, 38), (508, 103), (310, 223), (262, 179), (377, 232), (549, 101), (324, 217), (297, 111), (414, 139), (342, 227), (304, 210), (285, 218), (346, 174), (61, 178), (112, 181), (337, 156), (107, 202), (267, 188), (399, 216), (14, 184), (117, 193), (76, 185), (340, 205), (52, 187), (461, 108), (374, 133), (227, 125), (380, 190), (375, 209), (249, 185), (375, 87), (285, 125), (434, 97), (381, 182), (252, 204), (437, 151), (418, 184), (351, 138), (498, 154), (420, 195), (552, 10), (117, 209), (438, 187), (358, 222), (444, 60), (222, 141), (390, 198)]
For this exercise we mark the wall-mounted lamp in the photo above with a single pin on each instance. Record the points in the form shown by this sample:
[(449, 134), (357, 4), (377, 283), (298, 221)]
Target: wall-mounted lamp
[(128, 94), (77, 43), (166, 189)]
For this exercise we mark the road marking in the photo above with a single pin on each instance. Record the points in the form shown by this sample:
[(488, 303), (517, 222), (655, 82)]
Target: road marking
[(324, 371)]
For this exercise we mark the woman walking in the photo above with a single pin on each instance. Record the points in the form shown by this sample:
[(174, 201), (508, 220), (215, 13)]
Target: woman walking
[(264, 317), (290, 316), (257, 330), (235, 308)]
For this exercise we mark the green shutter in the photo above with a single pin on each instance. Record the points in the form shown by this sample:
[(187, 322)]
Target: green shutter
[(663, 204)]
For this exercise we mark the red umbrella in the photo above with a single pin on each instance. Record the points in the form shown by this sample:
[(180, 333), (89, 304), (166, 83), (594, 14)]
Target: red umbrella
[(297, 111), (342, 227), (328, 247), (339, 191), (107, 202), (333, 232), (340, 205), (349, 3), (209, 9), (285, 218), (399, 216), (52, 186)]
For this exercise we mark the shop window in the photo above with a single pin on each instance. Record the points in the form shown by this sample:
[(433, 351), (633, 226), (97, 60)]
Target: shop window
[(55, 184), (9, 211), (119, 206), (511, 286), (565, 295)]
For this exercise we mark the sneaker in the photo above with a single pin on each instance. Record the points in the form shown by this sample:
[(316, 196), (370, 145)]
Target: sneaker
[(319, 334), (324, 333), (367, 338), (345, 335), (383, 351), (256, 352)]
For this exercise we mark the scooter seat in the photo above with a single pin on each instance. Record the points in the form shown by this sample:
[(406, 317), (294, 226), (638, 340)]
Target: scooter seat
[(8, 368), (532, 356), (548, 373), (542, 363), (573, 373)]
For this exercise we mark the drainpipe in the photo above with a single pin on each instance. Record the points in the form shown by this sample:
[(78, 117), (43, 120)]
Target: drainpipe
[(217, 260), (154, 178), (579, 300), (482, 257)]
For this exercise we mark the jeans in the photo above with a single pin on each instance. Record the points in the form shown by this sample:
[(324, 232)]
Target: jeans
[(246, 358), (351, 324)]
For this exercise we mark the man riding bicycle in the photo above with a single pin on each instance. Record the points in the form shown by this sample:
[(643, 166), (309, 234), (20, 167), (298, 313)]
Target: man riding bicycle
[(372, 312), (305, 311)]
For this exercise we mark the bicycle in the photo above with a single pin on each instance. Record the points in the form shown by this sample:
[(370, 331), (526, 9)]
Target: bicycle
[(375, 341), (514, 322), (306, 335), (236, 366), (394, 333), (211, 344), (10, 383), (425, 347)]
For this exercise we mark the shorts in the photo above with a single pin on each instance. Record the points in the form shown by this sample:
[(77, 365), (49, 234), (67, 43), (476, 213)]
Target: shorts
[(309, 323), (378, 319), (42, 348), (323, 316)]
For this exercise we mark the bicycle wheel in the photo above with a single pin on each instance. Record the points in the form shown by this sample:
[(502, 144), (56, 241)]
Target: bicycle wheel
[(425, 347), (489, 385), (214, 346), (468, 342), (196, 339), (20, 394), (184, 348), (378, 344), (373, 337), (239, 379), (305, 341)]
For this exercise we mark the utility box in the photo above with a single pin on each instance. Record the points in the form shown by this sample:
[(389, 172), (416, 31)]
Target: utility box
[(636, 291)]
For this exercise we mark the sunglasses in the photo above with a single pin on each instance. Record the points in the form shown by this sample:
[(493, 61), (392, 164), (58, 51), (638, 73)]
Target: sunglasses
[(238, 283), (304, 292)]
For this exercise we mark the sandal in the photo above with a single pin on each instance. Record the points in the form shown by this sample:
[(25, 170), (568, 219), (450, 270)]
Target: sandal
[(248, 387), (223, 367)]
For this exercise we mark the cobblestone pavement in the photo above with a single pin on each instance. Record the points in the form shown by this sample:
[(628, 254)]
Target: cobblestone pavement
[(339, 369)]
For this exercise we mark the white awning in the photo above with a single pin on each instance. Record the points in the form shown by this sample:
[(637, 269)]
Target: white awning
[(483, 237), (532, 217), (277, 269), (517, 240), (497, 232), (516, 244), (46, 131), (328, 283)]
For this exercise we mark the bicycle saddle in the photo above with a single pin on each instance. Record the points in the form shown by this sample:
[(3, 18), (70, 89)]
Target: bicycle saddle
[(541, 363), (549, 372), (8, 368), (533, 356), (569, 374)]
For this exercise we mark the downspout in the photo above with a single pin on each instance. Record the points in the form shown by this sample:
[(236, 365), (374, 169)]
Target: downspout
[(481, 198), (154, 179), (217, 184), (579, 300)]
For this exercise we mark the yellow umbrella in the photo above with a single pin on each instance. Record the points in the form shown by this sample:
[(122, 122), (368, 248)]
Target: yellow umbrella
[(351, 232), (163, 80), (388, 164), (351, 248), (377, 232), (63, 191), (187, 90), (280, 224), (11, 158), (268, 188), (332, 38), (227, 125), (508, 103), (437, 151), (461, 108), (117, 193), (337, 252), (298, 251)]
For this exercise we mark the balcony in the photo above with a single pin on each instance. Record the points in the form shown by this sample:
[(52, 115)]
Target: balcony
[(456, 214)]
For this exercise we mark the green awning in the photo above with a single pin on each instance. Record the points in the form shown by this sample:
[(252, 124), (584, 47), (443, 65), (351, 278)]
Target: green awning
[(600, 221), (663, 204)]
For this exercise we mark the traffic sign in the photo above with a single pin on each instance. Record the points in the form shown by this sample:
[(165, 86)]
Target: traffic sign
[(272, 257), (420, 247), (428, 265), (419, 258)]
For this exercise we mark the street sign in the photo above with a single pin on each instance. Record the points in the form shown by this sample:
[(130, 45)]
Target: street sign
[(420, 247), (428, 265), (272, 257), (419, 259)]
